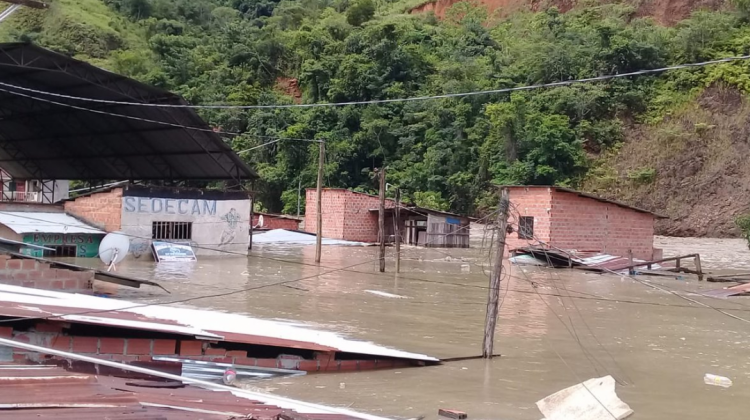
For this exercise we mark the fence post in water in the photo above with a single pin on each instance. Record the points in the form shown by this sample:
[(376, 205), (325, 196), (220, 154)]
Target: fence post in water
[(697, 261), (381, 219), (631, 269), (493, 297), (319, 207)]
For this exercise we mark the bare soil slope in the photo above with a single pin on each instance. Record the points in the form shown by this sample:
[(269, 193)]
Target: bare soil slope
[(665, 12), (693, 167)]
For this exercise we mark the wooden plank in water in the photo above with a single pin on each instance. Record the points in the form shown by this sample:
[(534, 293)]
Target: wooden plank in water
[(453, 414), (729, 291)]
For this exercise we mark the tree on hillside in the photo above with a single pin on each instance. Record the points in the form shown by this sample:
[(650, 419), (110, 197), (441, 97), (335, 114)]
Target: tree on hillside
[(360, 12)]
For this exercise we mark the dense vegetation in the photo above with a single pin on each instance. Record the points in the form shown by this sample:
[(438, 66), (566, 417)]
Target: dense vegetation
[(443, 153)]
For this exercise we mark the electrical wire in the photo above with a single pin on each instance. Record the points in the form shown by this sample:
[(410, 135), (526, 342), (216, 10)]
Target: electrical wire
[(276, 141), (584, 295), (187, 127), (209, 296), (112, 114), (575, 306), (661, 288), (395, 100)]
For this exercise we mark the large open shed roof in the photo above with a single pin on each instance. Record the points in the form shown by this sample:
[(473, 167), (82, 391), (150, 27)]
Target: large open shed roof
[(48, 137)]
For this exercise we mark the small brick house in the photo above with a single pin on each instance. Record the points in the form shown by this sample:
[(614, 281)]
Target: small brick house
[(353, 216), (571, 220), (346, 214)]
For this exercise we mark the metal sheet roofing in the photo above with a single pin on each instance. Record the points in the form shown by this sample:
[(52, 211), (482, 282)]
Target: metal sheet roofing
[(24, 302), (47, 137), (38, 222), (42, 392)]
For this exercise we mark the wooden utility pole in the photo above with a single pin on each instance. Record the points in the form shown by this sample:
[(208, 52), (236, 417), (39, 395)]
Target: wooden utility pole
[(381, 220), (318, 206), (493, 298), (397, 219)]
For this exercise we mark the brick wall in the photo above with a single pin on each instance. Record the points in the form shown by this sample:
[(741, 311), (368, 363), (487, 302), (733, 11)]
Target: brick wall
[(103, 209), (346, 214), (128, 350), (361, 224), (39, 275), (582, 223), (272, 222), (333, 205), (534, 202)]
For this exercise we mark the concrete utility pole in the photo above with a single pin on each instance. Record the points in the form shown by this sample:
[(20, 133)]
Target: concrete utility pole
[(319, 207), (493, 298), (381, 220), (397, 218)]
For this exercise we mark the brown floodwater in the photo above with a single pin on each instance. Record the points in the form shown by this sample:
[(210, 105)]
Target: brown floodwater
[(568, 327)]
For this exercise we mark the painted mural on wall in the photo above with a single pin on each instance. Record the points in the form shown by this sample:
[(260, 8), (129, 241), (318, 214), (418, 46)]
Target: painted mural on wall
[(232, 220), (217, 224), (87, 245)]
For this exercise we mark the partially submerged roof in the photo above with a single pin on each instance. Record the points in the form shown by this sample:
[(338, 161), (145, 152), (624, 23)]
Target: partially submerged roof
[(21, 302), (38, 222), (48, 392), (51, 137), (280, 216), (586, 195), (289, 237)]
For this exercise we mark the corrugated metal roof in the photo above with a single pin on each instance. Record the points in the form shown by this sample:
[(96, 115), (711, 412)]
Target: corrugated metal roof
[(39, 222), (57, 138), (289, 237), (51, 392), (608, 262), (30, 303)]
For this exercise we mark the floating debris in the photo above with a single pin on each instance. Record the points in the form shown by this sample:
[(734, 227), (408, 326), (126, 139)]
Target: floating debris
[(386, 294), (594, 399)]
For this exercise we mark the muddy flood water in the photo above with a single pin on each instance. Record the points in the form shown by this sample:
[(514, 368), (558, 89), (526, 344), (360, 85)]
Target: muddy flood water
[(567, 327)]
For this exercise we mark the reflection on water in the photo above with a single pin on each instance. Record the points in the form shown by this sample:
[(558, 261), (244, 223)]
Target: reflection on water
[(655, 344)]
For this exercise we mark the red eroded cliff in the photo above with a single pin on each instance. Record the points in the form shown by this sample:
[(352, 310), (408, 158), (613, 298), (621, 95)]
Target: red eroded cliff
[(665, 12)]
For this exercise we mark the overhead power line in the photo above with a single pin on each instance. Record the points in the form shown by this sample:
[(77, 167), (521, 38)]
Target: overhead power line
[(387, 101), (231, 292), (186, 127)]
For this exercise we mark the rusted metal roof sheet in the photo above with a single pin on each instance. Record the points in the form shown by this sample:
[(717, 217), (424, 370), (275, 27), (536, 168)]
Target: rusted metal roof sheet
[(43, 392), (608, 262), (582, 259), (24, 302), (741, 289)]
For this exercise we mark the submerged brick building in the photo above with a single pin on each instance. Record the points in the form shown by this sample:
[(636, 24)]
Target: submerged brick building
[(571, 220), (353, 216)]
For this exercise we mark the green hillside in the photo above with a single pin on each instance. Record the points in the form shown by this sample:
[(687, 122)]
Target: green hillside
[(443, 153)]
